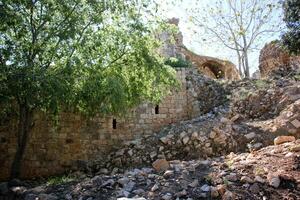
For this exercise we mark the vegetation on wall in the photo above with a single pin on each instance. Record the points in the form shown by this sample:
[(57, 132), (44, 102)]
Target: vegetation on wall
[(82, 56), (178, 62)]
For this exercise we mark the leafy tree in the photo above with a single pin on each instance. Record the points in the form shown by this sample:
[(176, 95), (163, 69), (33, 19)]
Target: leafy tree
[(292, 18), (240, 26), (74, 55)]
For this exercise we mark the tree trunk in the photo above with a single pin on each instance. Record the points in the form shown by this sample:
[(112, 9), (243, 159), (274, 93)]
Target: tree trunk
[(24, 127), (240, 64), (246, 61), (247, 72)]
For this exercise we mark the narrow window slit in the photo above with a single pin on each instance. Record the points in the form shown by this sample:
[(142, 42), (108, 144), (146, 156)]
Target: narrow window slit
[(114, 124), (157, 109)]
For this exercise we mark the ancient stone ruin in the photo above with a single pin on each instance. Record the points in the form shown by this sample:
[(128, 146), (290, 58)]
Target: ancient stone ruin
[(273, 57), (210, 139), (212, 67)]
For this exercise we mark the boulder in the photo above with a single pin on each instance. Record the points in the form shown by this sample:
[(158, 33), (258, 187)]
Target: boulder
[(283, 139), (161, 165)]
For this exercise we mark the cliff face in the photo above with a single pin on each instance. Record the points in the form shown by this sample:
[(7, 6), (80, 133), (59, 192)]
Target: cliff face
[(212, 67), (272, 57)]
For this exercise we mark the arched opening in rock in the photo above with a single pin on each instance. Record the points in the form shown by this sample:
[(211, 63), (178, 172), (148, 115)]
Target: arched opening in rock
[(214, 69)]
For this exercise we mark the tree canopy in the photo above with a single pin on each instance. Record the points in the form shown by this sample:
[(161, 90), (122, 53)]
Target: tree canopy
[(292, 18), (81, 56), (88, 56), (240, 26)]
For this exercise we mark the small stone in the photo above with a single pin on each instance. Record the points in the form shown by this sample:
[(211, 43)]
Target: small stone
[(257, 145), (194, 183), (273, 180), (120, 152), (246, 179), (123, 181), (18, 189), (129, 186), (153, 154), (221, 189), (283, 139), (181, 193), (109, 182), (214, 192), (250, 136), (167, 196), (212, 135), (205, 188), (134, 198), (194, 135), (104, 171), (168, 173), (154, 188), (289, 154), (259, 179), (47, 197), (183, 134), (228, 195), (68, 197), (97, 180), (295, 148), (123, 193), (161, 165), (232, 177), (165, 140), (130, 152), (31, 197), (224, 120), (138, 191), (254, 188), (296, 123), (234, 118), (185, 140)]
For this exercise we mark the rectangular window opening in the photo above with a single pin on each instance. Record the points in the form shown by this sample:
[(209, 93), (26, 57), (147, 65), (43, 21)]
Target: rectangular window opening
[(157, 109), (114, 124)]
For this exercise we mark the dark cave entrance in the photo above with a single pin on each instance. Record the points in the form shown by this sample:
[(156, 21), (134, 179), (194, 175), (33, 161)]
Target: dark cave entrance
[(215, 68)]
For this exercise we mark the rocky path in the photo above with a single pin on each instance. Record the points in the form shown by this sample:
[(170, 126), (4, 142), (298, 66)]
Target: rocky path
[(272, 172)]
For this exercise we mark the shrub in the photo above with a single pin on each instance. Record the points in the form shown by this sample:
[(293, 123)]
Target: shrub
[(178, 62)]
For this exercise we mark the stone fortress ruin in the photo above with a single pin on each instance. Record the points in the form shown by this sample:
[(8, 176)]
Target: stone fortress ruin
[(75, 140)]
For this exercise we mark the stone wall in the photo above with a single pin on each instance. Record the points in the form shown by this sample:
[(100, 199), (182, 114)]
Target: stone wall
[(54, 149), (273, 56), (212, 67)]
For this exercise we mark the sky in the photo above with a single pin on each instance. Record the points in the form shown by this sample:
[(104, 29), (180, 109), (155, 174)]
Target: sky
[(179, 8)]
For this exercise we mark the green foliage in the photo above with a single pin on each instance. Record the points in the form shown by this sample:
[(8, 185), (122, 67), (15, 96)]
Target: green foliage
[(178, 62), (82, 56), (261, 84), (59, 180), (292, 18)]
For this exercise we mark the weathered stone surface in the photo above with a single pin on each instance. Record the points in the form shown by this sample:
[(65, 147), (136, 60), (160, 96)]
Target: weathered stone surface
[(250, 136), (273, 56), (296, 123), (295, 148), (283, 139), (273, 180), (161, 165), (210, 66)]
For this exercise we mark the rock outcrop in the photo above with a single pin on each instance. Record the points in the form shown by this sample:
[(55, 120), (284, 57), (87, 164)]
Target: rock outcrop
[(212, 67), (273, 57)]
